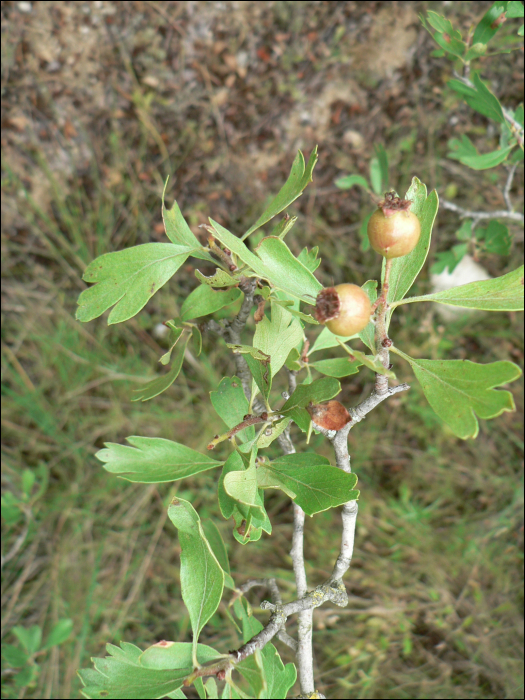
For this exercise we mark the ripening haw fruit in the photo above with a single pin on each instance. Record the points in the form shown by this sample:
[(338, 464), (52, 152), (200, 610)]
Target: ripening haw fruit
[(393, 230), (330, 415), (345, 309)]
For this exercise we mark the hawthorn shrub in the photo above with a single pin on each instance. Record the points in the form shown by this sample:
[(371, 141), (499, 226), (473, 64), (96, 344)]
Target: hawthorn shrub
[(272, 334)]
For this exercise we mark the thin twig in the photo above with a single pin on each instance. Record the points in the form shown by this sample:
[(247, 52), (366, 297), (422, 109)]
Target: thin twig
[(288, 640), (335, 592), (508, 186), (479, 215), (304, 654), (275, 594), (304, 647), (269, 583), (339, 440)]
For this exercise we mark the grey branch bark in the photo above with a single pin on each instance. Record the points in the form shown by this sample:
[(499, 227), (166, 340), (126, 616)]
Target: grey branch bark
[(269, 583), (304, 645), (275, 593), (339, 440), (479, 215), (336, 593), (304, 655), (508, 185), (333, 589)]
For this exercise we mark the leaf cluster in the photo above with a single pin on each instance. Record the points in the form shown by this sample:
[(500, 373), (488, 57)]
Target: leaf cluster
[(459, 392)]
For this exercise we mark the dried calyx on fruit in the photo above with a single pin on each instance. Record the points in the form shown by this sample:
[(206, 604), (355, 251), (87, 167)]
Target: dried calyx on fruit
[(393, 230), (345, 309), (330, 415)]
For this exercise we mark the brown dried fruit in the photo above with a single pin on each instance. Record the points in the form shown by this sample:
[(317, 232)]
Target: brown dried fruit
[(330, 415), (345, 309), (393, 230)]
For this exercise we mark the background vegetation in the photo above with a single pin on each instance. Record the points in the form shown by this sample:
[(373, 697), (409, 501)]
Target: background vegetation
[(101, 101)]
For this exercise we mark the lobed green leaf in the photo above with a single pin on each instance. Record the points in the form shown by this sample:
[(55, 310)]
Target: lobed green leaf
[(130, 673), (178, 231), (460, 390), (287, 272), (309, 258), (127, 279), (242, 487), (503, 293), (446, 36), (153, 460)]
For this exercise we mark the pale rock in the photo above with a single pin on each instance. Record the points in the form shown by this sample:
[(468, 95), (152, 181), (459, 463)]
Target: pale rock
[(468, 270)]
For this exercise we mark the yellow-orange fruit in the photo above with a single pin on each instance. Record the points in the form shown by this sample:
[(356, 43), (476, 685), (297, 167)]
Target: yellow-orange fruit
[(345, 309), (393, 230)]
